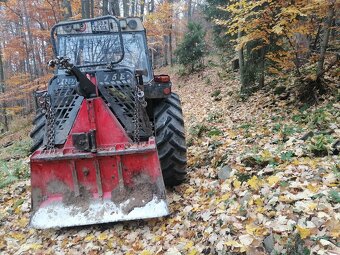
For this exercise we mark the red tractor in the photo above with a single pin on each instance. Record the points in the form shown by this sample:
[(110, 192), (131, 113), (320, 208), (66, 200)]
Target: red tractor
[(108, 133)]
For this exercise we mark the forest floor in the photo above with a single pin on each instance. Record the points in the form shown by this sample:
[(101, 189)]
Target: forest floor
[(263, 179)]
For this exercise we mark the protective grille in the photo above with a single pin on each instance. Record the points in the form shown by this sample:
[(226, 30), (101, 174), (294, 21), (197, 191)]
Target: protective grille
[(118, 88), (66, 103)]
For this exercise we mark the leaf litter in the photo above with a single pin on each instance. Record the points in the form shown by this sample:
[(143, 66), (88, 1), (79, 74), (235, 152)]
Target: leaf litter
[(275, 197)]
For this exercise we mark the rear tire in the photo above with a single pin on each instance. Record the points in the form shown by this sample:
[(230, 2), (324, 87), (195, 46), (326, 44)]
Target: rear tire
[(38, 132), (170, 138)]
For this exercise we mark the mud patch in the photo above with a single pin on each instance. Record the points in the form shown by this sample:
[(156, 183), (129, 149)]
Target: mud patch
[(139, 197), (79, 203), (57, 187), (36, 198), (142, 192), (120, 195)]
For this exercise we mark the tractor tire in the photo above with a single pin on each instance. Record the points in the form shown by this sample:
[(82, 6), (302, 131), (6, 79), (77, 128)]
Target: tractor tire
[(170, 139), (38, 132)]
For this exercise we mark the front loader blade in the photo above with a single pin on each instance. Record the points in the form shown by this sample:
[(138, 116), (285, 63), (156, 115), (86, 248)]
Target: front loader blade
[(120, 180), (117, 187)]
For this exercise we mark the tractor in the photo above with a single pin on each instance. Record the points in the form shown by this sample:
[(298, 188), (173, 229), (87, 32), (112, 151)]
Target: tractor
[(108, 135)]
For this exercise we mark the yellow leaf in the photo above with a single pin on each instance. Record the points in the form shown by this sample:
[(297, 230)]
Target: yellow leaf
[(102, 236), (189, 190), (237, 184), (193, 252), (17, 210), (312, 206), (272, 180), (157, 238), (226, 196), (335, 233), (109, 244), (223, 198), (255, 183), (260, 209), (258, 202), (89, 238), (29, 246), (163, 227), (232, 134), (283, 198), (266, 155), (233, 243), (17, 236), (23, 222), (277, 29), (35, 246), (189, 245), (313, 187), (255, 230), (145, 252), (304, 232)]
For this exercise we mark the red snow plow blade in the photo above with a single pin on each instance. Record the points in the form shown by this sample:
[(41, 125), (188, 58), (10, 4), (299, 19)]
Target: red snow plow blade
[(81, 184)]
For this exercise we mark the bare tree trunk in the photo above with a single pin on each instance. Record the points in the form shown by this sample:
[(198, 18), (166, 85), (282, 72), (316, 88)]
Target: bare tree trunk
[(68, 9), (189, 10), (325, 38), (30, 39), (2, 90), (125, 8), (241, 63), (170, 46), (38, 54), (114, 8), (165, 50), (85, 9), (317, 36), (152, 6), (105, 8), (142, 5), (263, 58), (92, 9), (170, 32), (133, 8), (20, 33)]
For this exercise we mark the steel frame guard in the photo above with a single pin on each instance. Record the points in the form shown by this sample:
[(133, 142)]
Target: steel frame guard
[(53, 39)]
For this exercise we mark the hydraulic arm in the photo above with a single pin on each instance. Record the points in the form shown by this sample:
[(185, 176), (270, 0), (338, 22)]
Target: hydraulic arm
[(84, 86)]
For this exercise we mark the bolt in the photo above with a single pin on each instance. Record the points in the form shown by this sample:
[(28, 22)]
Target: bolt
[(86, 171)]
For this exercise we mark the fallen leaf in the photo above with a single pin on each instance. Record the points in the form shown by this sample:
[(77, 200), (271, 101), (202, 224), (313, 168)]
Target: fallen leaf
[(255, 183), (272, 180), (237, 184), (303, 232), (246, 239)]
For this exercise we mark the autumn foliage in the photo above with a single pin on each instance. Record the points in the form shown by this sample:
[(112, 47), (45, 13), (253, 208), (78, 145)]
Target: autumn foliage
[(287, 34)]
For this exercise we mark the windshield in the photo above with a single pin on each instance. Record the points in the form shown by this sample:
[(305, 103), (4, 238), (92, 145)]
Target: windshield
[(101, 49), (90, 50)]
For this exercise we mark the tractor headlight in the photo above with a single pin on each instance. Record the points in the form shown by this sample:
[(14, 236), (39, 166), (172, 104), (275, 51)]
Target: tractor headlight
[(132, 24)]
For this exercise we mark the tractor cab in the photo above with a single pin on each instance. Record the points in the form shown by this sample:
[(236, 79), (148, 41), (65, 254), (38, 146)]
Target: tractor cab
[(104, 43)]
